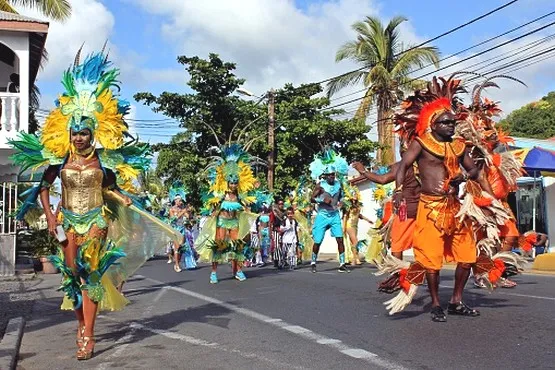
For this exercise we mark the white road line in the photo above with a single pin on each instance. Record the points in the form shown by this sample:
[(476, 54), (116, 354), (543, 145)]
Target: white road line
[(358, 353), (528, 296), (204, 343), (294, 329), (122, 343), (512, 294)]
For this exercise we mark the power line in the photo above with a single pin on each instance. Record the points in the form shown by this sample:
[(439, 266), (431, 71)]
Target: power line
[(432, 39), (455, 63), (460, 52)]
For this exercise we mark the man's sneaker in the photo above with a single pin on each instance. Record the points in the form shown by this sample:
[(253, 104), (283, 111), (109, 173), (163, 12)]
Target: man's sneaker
[(213, 278), (176, 268), (313, 267), (169, 261), (343, 268), (240, 275), (299, 262)]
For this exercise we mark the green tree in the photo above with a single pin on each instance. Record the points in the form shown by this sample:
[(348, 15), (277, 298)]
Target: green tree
[(211, 113), (534, 120), (58, 10), (386, 64), (303, 129)]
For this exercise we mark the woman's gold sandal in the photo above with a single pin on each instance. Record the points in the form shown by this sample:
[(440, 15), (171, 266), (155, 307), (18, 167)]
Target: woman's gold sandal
[(83, 353), (80, 335)]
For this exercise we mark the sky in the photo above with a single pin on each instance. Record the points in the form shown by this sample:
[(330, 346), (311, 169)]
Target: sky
[(275, 42)]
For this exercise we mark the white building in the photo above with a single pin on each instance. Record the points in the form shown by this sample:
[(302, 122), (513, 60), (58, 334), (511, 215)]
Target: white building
[(22, 42)]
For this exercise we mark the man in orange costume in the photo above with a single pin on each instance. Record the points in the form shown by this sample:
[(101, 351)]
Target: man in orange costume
[(437, 233), (401, 230)]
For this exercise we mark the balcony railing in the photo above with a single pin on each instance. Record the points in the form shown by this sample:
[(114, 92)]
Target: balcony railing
[(9, 112)]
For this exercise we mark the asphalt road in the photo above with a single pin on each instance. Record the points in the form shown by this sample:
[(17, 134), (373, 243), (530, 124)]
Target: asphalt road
[(297, 320)]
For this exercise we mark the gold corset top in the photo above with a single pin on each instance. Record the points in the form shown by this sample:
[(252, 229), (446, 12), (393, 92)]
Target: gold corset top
[(353, 216), (82, 189)]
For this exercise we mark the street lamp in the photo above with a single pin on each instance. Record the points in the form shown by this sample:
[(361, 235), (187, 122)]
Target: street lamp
[(271, 126), (244, 92)]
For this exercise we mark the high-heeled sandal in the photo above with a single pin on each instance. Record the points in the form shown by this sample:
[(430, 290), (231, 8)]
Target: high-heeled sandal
[(84, 353), (80, 335)]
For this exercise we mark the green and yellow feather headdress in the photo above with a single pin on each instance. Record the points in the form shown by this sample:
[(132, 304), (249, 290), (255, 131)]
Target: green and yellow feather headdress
[(88, 102)]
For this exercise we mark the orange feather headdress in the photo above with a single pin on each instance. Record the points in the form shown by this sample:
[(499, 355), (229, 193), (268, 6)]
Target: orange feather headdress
[(418, 111)]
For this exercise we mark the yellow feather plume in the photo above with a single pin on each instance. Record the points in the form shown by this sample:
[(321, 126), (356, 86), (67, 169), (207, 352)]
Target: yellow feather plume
[(111, 127), (55, 133)]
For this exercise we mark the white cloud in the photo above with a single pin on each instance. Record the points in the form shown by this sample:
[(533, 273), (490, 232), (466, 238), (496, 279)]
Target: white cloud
[(273, 42), (90, 23)]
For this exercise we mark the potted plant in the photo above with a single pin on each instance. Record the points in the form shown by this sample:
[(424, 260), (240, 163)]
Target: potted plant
[(42, 245)]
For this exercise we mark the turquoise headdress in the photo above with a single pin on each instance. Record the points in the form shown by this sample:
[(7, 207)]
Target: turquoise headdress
[(178, 190), (263, 198), (326, 162)]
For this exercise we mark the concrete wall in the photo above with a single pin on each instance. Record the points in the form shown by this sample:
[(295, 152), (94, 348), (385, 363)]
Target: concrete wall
[(7, 255)]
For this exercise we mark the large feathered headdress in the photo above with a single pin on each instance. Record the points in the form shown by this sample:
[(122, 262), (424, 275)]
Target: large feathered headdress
[(327, 162), (478, 126), (421, 109), (90, 101), (178, 190)]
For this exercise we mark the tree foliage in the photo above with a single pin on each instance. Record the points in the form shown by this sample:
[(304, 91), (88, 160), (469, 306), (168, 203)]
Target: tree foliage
[(59, 10), (386, 65), (211, 114), (534, 120)]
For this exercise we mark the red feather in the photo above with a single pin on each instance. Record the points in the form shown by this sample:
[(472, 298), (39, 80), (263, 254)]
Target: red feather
[(428, 111)]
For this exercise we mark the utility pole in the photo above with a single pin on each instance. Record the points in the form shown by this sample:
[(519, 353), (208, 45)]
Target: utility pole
[(271, 139)]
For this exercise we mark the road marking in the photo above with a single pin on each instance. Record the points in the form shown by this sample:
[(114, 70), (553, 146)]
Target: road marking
[(122, 343), (274, 320), (328, 341), (294, 329), (513, 294), (203, 343), (358, 353), (528, 296)]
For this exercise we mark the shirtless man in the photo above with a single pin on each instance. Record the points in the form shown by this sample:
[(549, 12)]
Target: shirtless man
[(437, 233)]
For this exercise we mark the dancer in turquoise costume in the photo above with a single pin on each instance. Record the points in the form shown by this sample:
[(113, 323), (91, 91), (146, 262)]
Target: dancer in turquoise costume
[(328, 195), (263, 227), (102, 230), (221, 238), (179, 216)]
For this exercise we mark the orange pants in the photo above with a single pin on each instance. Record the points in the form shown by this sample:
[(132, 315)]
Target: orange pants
[(402, 234), (431, 245), (509, 229)]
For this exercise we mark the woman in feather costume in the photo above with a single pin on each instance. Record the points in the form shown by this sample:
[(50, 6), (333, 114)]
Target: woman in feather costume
[(179, 216), (93, 182), (351, 215), (221, 239)]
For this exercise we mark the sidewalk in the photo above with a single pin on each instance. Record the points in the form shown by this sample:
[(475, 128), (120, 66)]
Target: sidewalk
[(18, 296)]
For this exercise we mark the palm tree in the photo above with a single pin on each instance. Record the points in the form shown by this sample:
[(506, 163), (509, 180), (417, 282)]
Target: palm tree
[(58, 10), (386, 65)]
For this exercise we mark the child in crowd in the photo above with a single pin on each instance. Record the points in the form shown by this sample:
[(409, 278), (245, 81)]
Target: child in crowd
[(290, 238)]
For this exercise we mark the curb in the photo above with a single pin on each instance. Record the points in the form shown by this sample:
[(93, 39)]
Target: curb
[(9, 346), (545, 262), (18, 277)]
